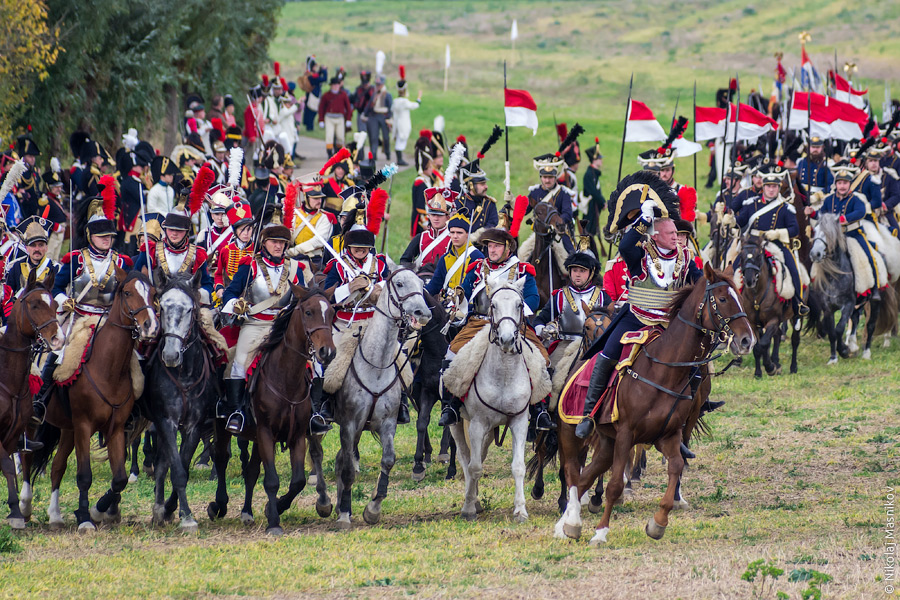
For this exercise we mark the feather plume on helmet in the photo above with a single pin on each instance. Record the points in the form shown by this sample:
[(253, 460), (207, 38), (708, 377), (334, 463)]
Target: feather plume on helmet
[(663, 156), (473, 173), (626, 200)]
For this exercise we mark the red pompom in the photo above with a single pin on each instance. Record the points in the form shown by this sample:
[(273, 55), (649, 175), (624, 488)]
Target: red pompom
[(780, 163), (853, 161), (338, 157), (884, 140), (29, 128), (205, 178), (370, 155), (108, 193), (402, 72), (519, 210), (46, 211), (375, 210), (277, 66), (283, 83), (596, 140), (461, 138), (480, 156), (556, 154), (425, 133)]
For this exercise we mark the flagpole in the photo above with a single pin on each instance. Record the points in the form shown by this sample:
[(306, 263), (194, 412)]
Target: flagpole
[(808, 143), (737, 122), (625, 128), (446, 68), (506, 125), (695, 141), (393, 46)]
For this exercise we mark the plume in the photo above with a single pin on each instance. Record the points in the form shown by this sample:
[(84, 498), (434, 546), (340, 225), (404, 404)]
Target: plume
[(439, 124), (895, 120), (402, 72), (343, 154), (379, 62), (235, 166), (204, 179), (456, 156), (864, 147), (870, 125), (217, 124), (519, 210), (381, 176), (496, 134), (290, 202), (678, 129), (54, 165), (108, 193), (277, 66), (576, 130), (265, 80), (12, 178), (375, 210), (283, 83)]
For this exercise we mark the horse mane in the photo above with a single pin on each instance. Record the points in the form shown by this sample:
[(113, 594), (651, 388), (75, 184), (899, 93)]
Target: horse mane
[(829, 268), (830, 225), (182, 282), (132, 275), (684, 293), (280, 325)]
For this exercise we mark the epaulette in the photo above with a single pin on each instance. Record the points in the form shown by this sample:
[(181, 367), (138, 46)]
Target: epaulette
[(126, 260), (892, 172), (861, 196), (529, 268), (329, 265), (749, 201), (491, 198), (67, 258), (531, 188), (790, 207), (568, 190)]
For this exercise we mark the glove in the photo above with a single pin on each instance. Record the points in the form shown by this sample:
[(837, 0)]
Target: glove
[(647, 210), (321, 125), (771, 235), (728, 220), (348, 124), (241, 307), (360, 282), (508, 197)]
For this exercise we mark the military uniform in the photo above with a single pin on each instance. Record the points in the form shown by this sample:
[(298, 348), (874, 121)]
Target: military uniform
[(34, 229), (561, 197), (307, 245)]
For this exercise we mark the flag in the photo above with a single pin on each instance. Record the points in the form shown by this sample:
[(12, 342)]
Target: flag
[(711, 123), (447, 58), (753, 123), (514, 32), (809, 77), (845, 93), (520, 109), (400, 29), (682, 147), (831, 118), (641, 125)]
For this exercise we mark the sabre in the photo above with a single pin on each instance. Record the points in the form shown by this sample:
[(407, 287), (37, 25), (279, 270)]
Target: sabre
[(334, 253), (146, 238), (387, 209)]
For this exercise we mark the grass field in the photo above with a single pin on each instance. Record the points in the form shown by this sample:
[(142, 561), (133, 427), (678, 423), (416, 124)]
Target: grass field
[(796, 469)]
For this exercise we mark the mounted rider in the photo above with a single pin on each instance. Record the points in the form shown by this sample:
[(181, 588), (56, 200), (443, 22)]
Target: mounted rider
[(240, 218), (549, 190), (306, 246), (427, 247), (218, 235), (35, 234), (658, 267), (480, 208), (773, 217), (260, 289), (812, 170), (427, 154), (885, 179), (91, 269), (450, 270)]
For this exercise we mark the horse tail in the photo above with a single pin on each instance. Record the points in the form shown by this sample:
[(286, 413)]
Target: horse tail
[(545, 454), (48, 435), (702, 427), (816, 313), (140, 425)]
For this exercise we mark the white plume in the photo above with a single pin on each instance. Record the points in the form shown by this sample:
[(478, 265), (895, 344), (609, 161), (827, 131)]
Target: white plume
[(130, 139), (379, 62), (12, 178), (235, 162), (54, 165), (456, 156), (438, 124)]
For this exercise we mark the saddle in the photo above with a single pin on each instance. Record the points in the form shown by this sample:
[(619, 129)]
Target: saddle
[(571, 405)]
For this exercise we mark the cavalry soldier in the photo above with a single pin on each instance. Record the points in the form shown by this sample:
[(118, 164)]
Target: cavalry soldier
[(812, 169), (881, 172), (306, 246), (34, 232), (132, 197), (427, 247), (260, 289), (240, 218), (657, 268), (92, 270), (29, 186), (662, 162), (500, 265), (218, 235), (51, 207), (334, 185), (93, 157), (549, 190), (754, 166), (481, 208), (273, 161), (851, 207), (774, 218), (451, 267)]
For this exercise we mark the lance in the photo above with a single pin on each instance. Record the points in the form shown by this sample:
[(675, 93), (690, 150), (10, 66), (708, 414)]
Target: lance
[(809, 144), (506, 135), (387, 209), (625, 129), (146, 238), (737, 123), (695, 141), (675, 112)]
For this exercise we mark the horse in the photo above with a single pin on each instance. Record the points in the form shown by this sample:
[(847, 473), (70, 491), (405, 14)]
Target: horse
[(832, 288), (281, 406), (764, 309), (650, 393), (180, 393), (546, 254), (31, 326), (500, 394), (99, 400), (369, 395)]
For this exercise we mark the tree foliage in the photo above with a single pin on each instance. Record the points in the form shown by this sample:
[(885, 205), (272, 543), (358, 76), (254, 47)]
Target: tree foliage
[(124, 63)]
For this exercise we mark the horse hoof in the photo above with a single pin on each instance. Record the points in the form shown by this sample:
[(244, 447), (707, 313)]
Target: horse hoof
[(478, 508), (469, 516), (418, 475), (275, 531), (86, 527), (324, 510), (595, 509), (371, 516), (443, 458), (116, 518), (343, 521), (57, 525), (427, 459), (867, 354), (16, 523), (681, 505), (311, 480), (521, 517), (655, 531), (25, 509), (599, 537), (832, 361), (537, 492), (214, 511), (158, 514), (627, 495), (132, 478), (189, 525), (572, 531), (246, 518)]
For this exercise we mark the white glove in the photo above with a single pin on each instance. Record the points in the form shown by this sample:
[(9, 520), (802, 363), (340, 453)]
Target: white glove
[(728, 220), (321, 125), (348, 124), (647, 210)]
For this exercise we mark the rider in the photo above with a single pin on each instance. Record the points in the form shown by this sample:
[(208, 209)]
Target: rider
[(428, 246), (771, 216), (214, 238), (306, 246), (657, 267), (258, 292), (34, 232), (91, 269), (889, 179), (500, 265), (812, 170), (481, 208), (450, 268), (549, 190), (429, 176)]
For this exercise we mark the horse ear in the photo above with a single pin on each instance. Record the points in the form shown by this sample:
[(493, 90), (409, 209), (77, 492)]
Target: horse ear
[(299, 292), (709, 272), (729, 272), (195, 279), (120, 275), (32, 277), (585, 308), (520, 284), (161, 278), (49, 280)]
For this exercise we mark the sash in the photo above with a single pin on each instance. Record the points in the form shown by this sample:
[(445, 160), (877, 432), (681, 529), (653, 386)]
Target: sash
[(430, 247), (457, 265), (211, 248), (764, 210)]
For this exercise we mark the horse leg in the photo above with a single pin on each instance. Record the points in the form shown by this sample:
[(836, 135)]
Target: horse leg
[(765, 346), (244, 447), (627, 492), (422, 421), (446, 442), (451, 463), (189, 443), (580, 480), (346, 472), (563, 489), (160, 516), (221, 453), (323, 502), (757, 356), (795, 343), (83, 476), (135, 470), (372, 513), (671, 448), (251, 476), (108, 505), (776, 351), (151, 445), (429, 399), (459, 436), (57, 470), (15, 518), (871, 322), (843, 349), (26, 495), (477, 435), (298, 474), (616, 483), (519, 430), (265, 447), (537, 490)]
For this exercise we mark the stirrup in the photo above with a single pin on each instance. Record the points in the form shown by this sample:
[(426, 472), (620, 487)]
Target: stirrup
[(547, 424), (25, 445), (38, 416), (318, 425), (449, 416), (232, 426)]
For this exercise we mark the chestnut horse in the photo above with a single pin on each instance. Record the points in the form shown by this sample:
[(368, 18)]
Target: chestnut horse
[(651, 393), (280, 400), (99, 400), (32, 325)]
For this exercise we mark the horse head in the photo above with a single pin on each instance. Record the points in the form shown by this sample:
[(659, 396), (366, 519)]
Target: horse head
[(547, 220), (827, 236), (404, 298), (506, 315), (134, 297), (316, 317), (596, 321), (177, 312), (753, 260), (35, 312)]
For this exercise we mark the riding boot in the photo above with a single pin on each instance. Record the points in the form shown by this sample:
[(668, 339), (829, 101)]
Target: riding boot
[(603, 368), (325, 410), (403, 411), (450, 404), (317, 423), (710, 405), (400, 161), (686, 452), (234, 395), (543, 422), (39, 402), (800, 309), (26, 445)]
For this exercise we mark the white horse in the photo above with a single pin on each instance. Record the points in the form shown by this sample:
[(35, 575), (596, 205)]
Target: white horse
[(369, 397), (499, 395)]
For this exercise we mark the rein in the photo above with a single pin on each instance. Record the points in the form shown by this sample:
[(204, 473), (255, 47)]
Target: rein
[(493, 332)]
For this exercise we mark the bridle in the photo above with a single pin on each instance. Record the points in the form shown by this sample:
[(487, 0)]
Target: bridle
[(546, 221), (132, 316), (39, 341), (395, 300), (722, 332), (493, 332), (326, 324), (750, 266)]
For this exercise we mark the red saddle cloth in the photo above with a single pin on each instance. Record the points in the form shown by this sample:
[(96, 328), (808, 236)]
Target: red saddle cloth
[(571, 404)]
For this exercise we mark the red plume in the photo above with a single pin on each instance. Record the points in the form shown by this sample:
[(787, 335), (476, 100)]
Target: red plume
[(205, 178), (461, 138), (687, 201), (217, 124), (277, 66), (284, 83), (265, 79), (519, 210), (425, 133), (375, 210), (46, 211), (338, 157), (290, 203), (402, 72), (29, 128), (108, 193), (596, 140)]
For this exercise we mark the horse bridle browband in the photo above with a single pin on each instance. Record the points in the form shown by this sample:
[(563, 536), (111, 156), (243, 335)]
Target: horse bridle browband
[(493, 333), (39, 341)]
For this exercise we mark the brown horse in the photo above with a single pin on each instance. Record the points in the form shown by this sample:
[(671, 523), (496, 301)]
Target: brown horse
[(549, 226), (99, 400), (280, 398), (651, 393), (32, 324)]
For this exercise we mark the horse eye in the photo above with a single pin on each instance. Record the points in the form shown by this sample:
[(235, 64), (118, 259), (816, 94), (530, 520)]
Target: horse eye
[(309, 313)]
